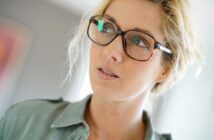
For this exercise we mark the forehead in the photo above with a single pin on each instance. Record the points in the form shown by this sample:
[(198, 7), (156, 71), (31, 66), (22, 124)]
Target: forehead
[(141, 14)]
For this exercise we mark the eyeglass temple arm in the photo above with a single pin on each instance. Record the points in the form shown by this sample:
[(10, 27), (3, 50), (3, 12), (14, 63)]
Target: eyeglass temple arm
[(163, 48)]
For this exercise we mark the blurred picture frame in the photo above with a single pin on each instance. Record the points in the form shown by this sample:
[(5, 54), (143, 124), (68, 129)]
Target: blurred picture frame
[(15, 44)]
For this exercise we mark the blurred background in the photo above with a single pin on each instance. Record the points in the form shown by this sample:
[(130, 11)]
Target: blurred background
[(34, 36)]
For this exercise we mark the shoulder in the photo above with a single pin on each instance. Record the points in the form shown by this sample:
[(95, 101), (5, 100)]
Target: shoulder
[(33, 110), (163, 136), (38, 106), (37, 114), (160, 136), (151, 132)]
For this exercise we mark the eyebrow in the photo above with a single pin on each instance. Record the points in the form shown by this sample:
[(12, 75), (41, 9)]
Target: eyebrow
[(110, 18), (135, 28)]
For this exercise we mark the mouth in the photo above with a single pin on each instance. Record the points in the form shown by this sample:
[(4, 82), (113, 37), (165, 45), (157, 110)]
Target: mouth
[(106, 74)]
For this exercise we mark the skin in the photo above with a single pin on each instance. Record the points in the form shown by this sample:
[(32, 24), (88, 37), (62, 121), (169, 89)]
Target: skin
[(115, 110)]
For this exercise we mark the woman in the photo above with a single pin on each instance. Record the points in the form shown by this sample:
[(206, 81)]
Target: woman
[(138, 48)]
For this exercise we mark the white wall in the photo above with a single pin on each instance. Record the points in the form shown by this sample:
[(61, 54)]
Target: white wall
[(51, 27)]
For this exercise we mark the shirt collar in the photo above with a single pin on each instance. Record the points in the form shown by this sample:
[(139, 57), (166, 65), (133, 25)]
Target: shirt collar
[(73, 114), (149, 129)]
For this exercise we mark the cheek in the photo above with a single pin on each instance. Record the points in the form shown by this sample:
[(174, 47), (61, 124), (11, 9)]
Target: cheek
[(138, 73), (93, 56), (95, 59), (92, 65), (94, 53), (137, 79), (143, 73)]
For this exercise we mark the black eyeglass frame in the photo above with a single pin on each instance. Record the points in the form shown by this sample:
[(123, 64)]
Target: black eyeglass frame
[(157, 45)]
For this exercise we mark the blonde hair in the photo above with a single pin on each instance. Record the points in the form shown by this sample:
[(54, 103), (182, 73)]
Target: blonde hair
[(177, 30)]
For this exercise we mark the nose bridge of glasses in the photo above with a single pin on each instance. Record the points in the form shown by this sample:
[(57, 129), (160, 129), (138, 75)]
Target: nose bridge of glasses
[(120, 36), (117, 42)]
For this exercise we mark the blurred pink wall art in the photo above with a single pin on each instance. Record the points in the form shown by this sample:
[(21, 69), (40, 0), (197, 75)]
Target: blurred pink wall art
[(14, 46)]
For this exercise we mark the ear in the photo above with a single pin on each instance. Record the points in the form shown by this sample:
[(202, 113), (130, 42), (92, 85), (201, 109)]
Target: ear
[(163, 74)]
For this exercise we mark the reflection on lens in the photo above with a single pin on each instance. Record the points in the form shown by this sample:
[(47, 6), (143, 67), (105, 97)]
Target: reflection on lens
[(139, 45), (101, 30)]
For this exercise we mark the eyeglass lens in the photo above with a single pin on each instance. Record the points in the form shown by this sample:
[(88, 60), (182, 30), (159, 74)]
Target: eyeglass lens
[(138, 45)]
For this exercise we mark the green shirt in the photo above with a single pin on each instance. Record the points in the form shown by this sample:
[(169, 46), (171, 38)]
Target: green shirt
[(54, 120)]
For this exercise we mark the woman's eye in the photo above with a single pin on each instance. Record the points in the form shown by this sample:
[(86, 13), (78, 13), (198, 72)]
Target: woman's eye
[(138, 41), (105, 27)]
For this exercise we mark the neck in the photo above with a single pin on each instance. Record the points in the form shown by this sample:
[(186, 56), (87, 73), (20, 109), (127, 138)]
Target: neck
[(116, 119)]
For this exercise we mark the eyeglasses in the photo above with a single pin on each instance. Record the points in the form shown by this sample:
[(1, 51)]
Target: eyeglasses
[(137, 44)]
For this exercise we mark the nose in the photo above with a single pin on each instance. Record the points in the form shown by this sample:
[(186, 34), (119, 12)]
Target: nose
[(114, 51)]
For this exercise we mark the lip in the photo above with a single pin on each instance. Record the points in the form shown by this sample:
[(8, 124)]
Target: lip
[(106, 74)]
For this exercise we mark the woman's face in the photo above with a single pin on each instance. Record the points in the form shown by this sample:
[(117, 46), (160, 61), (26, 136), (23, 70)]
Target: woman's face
[(133, 77)]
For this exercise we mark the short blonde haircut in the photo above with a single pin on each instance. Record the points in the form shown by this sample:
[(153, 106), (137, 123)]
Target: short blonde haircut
[(177, 30)]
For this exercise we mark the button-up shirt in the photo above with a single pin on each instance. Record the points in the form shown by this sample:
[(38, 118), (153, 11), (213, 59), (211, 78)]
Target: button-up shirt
[(41, 119)]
